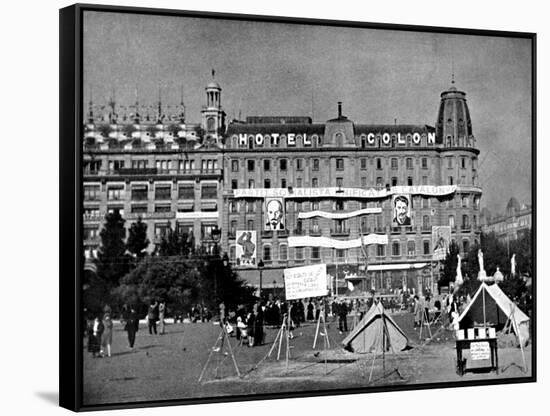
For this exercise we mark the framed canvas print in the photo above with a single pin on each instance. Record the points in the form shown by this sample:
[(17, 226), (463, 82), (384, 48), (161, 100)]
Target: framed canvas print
[(258, 207)]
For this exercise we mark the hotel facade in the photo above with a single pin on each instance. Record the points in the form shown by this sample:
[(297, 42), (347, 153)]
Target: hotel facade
[(283, 191)]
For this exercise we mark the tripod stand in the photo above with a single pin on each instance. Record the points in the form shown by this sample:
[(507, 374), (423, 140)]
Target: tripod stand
[(218, 348)]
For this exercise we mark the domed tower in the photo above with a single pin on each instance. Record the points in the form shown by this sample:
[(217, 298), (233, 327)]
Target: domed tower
[(454, 125), (213, 117)]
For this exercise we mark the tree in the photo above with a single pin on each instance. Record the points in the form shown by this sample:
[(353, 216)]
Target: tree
[(112, 262), (448, 274), (137, 238), (175, 244)]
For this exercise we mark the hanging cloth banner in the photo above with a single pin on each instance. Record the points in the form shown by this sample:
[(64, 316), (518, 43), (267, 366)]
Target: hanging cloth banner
[(307, 241), (354, 193), (338, 216)]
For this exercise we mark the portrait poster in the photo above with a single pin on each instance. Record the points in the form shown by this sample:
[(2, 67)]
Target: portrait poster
[(274, 214), (401, 208), (441, 238), (245, 252)]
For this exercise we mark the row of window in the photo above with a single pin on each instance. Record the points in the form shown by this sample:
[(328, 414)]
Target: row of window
[(140, 192), (207, 165), (267, 183), (251, 206), (314, 253), (300, 163), (342, 227), (161, 230)]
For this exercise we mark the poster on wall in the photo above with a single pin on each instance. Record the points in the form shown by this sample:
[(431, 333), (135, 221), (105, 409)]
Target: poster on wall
[(245, 252), (274, 214), (441, 237), (401, 205)]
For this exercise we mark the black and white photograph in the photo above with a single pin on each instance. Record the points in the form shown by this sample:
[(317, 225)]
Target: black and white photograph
[(281, 207)]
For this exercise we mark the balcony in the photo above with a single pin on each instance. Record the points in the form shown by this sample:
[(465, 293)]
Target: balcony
[(282, 233), (147, 172), (267, 234), (151, 215), (315, 233), (466, 227), (339, 232), (297, 231), (426, 229)]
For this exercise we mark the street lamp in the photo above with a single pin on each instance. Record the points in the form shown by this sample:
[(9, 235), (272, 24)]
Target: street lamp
[(260, 268)]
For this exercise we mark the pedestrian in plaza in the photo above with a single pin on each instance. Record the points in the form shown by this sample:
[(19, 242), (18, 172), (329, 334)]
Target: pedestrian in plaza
[(418, 310), (152, 317), (342, 316), (94, 343), (131, 326), (251, 325), (310, 308), (107, 336), (258, 324), (162, 310)]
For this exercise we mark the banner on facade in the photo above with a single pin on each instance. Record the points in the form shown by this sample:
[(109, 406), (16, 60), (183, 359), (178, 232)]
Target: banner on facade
[(274, 214), (338, 215), (308, 241), (306, 282), (246, 249), (441, 239), (401, 206), (353, 193)]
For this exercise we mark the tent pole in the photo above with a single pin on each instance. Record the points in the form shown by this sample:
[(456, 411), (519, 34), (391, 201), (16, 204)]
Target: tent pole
[(484, 317)]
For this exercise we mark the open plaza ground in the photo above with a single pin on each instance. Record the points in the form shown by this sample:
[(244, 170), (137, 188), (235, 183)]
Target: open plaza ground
[(165, 367)]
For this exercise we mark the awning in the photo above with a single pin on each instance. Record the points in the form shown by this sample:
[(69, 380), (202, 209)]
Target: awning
[(209, 205), (186, 206)]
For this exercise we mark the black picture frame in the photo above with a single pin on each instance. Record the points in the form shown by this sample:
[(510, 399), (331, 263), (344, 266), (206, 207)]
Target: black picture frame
[(71, 259)]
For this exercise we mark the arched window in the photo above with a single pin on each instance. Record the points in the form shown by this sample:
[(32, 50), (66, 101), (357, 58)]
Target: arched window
[(465, 246), (211, 124), (452, 221), (232, 253), (267, 253), (395, 250), (283, 252), (411, 248)]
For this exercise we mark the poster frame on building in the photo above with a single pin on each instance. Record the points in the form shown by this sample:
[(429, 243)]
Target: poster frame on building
[(402, 210), (205, 273), (246, 249), (274, 214)]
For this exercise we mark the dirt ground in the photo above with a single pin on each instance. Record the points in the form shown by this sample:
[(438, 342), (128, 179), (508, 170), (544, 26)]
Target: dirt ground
[(169, 366)]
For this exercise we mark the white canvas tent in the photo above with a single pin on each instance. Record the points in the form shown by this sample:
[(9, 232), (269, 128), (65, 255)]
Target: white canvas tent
[(369, 334), (498, 309)]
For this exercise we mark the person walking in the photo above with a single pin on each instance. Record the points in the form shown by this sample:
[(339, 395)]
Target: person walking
[(162, 310), (418, 310), (131, 326), (152, 317), (107, 336), (258, 324), (342, 316), (94, 343)]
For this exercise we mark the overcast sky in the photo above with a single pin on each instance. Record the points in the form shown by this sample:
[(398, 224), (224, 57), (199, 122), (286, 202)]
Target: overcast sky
[(289, 69)]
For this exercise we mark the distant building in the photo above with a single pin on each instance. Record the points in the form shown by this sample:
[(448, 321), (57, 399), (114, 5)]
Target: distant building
[(515, 222), (146, 161)]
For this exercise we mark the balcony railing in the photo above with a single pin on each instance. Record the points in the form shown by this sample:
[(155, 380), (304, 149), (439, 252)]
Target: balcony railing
[(267, 233), (282, 233), (299, 231), (153, 171), (339, 232), (151, 215), (315, 233)]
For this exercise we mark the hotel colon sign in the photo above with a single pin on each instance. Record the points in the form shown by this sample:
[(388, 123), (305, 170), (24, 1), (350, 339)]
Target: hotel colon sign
[(362, 198)]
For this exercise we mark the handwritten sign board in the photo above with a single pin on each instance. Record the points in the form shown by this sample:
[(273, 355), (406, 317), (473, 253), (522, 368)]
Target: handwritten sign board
[(306, 282), (480, 351)]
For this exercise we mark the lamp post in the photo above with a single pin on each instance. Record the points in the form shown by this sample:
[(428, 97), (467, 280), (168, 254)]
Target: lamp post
[(260, 268)]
